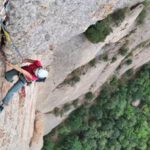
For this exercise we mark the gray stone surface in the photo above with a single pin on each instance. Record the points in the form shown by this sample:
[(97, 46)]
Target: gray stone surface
[(17, 120), (140, 56), (76, 53), (47, 23), (51, 30)]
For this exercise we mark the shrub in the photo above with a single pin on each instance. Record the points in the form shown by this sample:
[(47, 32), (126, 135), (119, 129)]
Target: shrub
[(128, 61), (62, 112), (104, 57), (64, 130), (114, 81), (114, 59), (118, 16), (146, 3), (141, 17), (75, 103), (98, 32), (89, 96), (48, 144), (53, 132), (129, 72), (66, 107), (123, 51), (76, 120), (74, 79), (56, 111), (119, 67), (92, 62)]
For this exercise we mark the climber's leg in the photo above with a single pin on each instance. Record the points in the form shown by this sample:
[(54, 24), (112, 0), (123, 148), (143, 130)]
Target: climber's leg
[(10, 74), (14, 89)]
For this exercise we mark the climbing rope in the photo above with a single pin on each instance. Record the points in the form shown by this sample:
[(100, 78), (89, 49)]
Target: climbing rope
[(8, 38), (6, 33)]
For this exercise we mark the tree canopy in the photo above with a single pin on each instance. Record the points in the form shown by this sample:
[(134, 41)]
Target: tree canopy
[(112, 123)]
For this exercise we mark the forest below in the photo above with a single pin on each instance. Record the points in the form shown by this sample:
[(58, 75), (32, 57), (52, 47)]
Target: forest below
[(118, 119)]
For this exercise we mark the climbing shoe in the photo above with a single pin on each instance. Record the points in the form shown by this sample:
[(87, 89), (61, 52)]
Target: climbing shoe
[(1, 108)]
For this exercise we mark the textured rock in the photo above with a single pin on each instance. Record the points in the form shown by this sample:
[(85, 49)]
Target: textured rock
[(37, 138), (52, 31), (73, 55), (141, 55), (17, 121), (47, 23)]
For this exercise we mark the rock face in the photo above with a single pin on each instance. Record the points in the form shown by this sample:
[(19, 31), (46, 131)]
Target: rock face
[(17, 121), (53, 32), (76, 57), (37, 138), (49, 23)]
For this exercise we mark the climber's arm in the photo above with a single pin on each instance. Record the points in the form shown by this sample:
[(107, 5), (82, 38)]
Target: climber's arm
[(28, 61), (24, 72)]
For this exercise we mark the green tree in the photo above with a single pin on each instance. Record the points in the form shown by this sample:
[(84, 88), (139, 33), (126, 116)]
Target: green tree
[(72, 143), (89, 96), (98, 32), (111, 122)]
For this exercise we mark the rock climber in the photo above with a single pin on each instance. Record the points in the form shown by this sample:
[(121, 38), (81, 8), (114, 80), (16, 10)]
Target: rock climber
[(26, 74)]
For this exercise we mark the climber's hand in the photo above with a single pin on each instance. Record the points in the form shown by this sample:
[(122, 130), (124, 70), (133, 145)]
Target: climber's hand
[(24, 61)]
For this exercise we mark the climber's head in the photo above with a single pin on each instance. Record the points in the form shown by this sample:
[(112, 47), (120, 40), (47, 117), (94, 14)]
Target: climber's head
[(41, 73)]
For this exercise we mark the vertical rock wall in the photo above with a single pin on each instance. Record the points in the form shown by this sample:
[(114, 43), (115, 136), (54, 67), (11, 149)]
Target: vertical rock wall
[(17, 120), (52, 31)]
